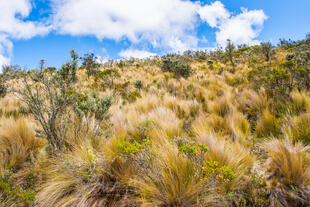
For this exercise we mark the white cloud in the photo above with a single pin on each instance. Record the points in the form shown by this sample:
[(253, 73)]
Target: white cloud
[(12, 26), (5, 50), (136, 53), (243, 28), (240, 29), (101, 60), (214, 13), (167, 24)]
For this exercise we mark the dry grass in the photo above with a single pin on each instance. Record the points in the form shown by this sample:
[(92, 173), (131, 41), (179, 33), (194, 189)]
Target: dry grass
[(85, 178), (173, 180), (289, 173), (233, 155), (18, 143), (133, 159), (297, 128), (267, 125)]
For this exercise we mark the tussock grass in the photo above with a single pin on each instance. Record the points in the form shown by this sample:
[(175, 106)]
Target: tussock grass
[(197, 141), (84, 177), (301, 101), (240, 127), (297, 128), (289, 173), (18, 143), (267, 125), (233, 155), (173, 180)]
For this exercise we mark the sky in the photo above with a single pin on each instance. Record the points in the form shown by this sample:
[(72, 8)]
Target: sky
[(31, 30)]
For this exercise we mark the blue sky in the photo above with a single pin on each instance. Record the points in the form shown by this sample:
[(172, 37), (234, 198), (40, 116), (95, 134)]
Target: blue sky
[(34, 29)]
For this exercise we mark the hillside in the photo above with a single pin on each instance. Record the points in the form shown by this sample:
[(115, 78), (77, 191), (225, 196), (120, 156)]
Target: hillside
[(229, 127)]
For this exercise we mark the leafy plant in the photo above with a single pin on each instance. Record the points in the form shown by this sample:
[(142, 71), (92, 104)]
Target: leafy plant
[(174, 64)]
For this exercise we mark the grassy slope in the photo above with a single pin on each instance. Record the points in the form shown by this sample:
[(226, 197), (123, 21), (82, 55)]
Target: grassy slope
[(210, 139)]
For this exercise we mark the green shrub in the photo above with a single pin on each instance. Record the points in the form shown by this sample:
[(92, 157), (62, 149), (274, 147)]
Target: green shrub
[(12, 194), (138, 84), (275, 80), (174, 64), (3, 90), (126, 148), (96, 106), (133, 96)]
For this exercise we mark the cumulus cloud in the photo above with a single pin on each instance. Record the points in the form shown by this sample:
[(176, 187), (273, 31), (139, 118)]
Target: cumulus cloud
[(135, 53), (240, 29), (214, 14), (167, 24), (164, 25), (12, 26)]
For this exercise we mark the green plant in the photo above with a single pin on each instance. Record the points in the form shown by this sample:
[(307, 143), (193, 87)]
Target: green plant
[(230, 49), (90, 64), (108, 76), (222, 174), (3, 90), (138, 84), (126, 148), (96, 106), (266, 48), (12, 194), (275, 80), (174, 64), (132, 97)]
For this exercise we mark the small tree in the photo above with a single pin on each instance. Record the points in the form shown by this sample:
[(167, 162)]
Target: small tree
[(42, 62), (108, 76), (74, 65), (51, 98), (230, 49), (90, 64), (266, 50)]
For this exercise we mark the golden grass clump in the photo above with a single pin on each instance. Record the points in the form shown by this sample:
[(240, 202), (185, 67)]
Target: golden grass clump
[(289, 173), (267, 125), (85, 178), (301, 101), (173, 180), (18, 143), (226, 153), (297, 128), (221, 106), (252, 103), (240, 127)]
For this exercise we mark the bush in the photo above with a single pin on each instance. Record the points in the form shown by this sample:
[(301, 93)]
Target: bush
[(12, 194), (275, 80), (174, 64), (138, 84), (182, 70), (51, 99), (133, 96), (3, 90)]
